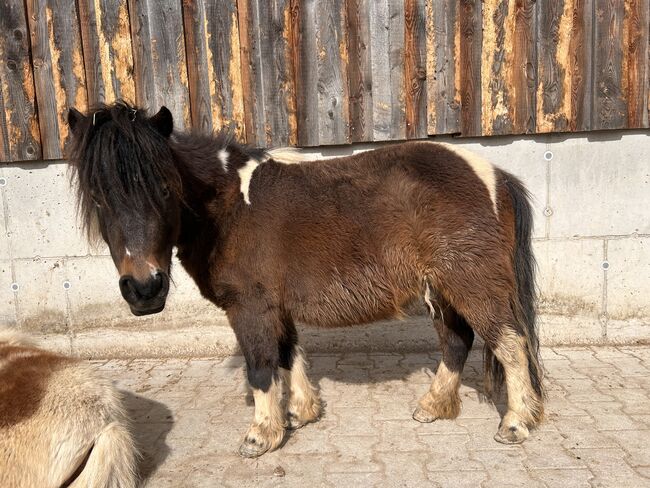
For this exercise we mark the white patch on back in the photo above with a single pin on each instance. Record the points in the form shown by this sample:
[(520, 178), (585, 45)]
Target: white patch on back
[(482, 168), (245, 175), (287, 155), (223, 157)]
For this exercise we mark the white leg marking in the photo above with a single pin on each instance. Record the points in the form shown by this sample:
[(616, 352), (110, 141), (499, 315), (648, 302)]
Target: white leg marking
[(482, 168), (245, 175), (223, 157)]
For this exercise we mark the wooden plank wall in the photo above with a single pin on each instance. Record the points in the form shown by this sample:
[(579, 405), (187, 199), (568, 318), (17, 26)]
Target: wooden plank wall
[(316, 72)]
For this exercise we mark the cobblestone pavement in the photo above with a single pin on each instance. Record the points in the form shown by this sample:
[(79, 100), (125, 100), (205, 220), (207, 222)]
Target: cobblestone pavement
[(191, 414)]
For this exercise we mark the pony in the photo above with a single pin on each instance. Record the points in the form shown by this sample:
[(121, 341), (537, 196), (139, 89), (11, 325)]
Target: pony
[(328, 243), (60, 424)]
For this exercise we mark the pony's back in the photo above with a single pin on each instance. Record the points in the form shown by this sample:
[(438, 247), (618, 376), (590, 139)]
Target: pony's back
[(59, 422)]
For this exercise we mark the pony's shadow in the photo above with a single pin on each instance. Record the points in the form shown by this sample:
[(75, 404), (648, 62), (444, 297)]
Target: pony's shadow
[(151, 421), (400, 366)]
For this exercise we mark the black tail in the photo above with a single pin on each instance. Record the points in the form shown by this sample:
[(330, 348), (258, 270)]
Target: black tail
[(525, 305)]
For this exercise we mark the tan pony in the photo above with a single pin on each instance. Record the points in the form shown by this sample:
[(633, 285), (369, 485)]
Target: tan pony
[(60, 424)]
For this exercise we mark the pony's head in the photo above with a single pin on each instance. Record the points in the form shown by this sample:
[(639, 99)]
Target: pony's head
[(129, 193)]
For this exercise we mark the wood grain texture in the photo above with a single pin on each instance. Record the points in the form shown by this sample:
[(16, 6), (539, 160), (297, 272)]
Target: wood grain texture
[(267, 63), (609, 104), (387, 38), (564, 93), (496, 90), (359, 70), (523, 71), (59, 76), (332, 63), (636, 62), (160, 67), (442, 60), (306, 71), (19, 131), (213, 65), (107, 50), (415, 70), (470, 17)]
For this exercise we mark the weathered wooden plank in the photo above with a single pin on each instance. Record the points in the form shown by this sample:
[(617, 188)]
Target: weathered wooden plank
[(387, 62), (213, 65), (332, 57), (58, 69), (609, 104), (523, 70), (20, 139), (396, 38), (470, 66), (564, 65), (359, 70), (305, 66), (160, 67), (496, 91), (636, 64), (415, 70), (442, 58), (107, 50), (267, 61)]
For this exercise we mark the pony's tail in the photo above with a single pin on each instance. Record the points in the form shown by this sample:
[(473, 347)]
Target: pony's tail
[(525, 301), (111, 462)]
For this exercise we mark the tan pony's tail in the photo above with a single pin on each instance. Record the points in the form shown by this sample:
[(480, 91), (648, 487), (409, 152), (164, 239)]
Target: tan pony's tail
[(111, 462)]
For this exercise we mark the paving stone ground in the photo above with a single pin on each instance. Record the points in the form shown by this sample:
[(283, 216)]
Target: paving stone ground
[(190, 415)]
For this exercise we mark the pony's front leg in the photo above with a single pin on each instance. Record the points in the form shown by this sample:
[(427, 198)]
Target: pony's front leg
[(257, 331)]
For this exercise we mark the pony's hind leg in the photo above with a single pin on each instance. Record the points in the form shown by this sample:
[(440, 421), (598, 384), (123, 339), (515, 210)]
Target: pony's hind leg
[(492, 317), (257, 329), (456, 337), (304, 404), (525, 405)]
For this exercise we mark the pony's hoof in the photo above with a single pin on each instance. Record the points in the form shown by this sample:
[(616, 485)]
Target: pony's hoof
[(251, 448), (511, 433), (294, 422), (421, 415)]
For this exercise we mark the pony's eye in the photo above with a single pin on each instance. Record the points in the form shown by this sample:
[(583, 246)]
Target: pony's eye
[(165, 192)]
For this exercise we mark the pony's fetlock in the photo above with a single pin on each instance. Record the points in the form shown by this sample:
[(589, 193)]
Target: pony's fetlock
[(304, 411)]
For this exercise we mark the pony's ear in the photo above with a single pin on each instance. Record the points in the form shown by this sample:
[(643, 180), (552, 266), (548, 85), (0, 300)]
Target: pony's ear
[(163, 121), (75, 118)]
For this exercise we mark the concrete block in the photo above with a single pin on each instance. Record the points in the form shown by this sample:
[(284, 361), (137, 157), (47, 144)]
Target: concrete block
[(628, 279), (4, 235), (7, 298), (561, 329), (570, 277), (96, 301), (41, 212), (600, 187), (628, 289), (41, 300)]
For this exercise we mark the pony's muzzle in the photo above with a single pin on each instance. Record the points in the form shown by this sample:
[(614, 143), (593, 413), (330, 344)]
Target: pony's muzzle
[(145, 297)]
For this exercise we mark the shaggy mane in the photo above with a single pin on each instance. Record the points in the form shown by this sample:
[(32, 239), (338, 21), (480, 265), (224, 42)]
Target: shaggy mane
[(119, 157)]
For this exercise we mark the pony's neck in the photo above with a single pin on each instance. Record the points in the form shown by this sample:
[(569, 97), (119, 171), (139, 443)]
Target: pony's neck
[(208, 166)]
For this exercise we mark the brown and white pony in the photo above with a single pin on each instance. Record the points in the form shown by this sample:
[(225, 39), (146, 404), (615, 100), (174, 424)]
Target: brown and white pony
[(60, 424), (331, 243)]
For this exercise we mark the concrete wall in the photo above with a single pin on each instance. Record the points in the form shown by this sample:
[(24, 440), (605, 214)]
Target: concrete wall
[(592, 230)]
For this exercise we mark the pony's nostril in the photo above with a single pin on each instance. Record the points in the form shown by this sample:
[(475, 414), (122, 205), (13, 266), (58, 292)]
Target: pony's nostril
[(128, 288), (156, 284)]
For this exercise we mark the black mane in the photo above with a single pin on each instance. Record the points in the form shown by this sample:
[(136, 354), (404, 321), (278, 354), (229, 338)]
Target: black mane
[(118, 156)]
